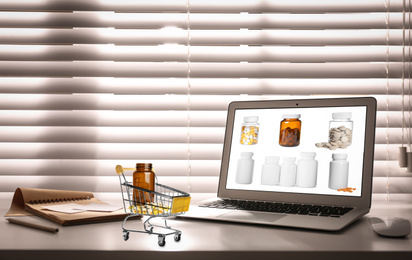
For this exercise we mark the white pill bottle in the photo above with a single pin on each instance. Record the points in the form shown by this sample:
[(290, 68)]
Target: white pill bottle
[(338, 171), (307, 170), (271, 171), (244, 171), (288, 172), (340, 129)]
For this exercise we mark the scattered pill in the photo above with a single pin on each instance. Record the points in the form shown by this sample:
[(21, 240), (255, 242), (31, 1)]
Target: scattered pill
[(348, 189)]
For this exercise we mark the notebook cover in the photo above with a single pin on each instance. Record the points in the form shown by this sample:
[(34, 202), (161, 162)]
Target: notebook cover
[(27, 201)]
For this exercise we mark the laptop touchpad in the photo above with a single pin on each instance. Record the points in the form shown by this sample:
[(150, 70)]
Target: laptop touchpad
[(250, 216)]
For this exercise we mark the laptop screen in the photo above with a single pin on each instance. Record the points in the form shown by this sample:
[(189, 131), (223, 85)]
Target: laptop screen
[(303, 150)]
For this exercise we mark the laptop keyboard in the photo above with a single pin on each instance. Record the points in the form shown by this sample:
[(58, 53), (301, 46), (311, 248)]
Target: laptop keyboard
[(275, 207)]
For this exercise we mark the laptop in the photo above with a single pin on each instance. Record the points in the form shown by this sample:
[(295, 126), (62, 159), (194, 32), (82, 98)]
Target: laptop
[(302, 163)]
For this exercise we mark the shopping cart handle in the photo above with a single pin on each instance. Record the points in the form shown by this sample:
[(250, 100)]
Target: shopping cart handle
[(120, 169)]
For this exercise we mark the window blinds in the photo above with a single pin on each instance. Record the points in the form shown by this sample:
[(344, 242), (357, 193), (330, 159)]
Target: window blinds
[(86, 85)]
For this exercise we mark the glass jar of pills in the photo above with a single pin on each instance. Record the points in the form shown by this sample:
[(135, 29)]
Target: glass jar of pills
[(290, 128), (340, 130), (143, 177), (250, 130)]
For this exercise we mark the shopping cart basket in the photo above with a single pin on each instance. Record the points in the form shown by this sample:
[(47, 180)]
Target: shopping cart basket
[(163, 202)]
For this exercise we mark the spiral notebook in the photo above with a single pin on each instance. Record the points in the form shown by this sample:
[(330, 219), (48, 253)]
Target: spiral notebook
[(28, 201)]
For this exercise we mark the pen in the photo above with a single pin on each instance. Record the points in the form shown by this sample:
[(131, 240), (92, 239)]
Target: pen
[(33, 225)]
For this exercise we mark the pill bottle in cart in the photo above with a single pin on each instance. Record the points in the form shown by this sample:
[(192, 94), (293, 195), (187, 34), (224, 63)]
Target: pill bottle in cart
[(340, 129), (290, 129), (250, 130), (143, 177)]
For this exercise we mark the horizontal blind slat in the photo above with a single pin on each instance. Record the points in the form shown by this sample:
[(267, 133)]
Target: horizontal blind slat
[(93, 68), (200, 21), (385, 152), (178, 53), (95, 5), (93, 102), (397, 185), (112, 134), (148, 102), (94, 85), (110, 151), (112, 118), (202, 6), (202, 86), (202, 70), (83, 167), (199, 37), (102, 183), (394, 135), (381, 169)]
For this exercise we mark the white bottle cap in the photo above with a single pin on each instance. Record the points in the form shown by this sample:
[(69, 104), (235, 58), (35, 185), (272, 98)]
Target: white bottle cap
[(289, 159), (271, 159), (291, 115), (339, 156), (341, 115), (246, 154), (308, 154), (251, 119)]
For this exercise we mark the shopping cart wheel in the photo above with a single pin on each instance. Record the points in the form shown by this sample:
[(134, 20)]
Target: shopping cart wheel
[(161, 240), (178, 236), (125, 235)]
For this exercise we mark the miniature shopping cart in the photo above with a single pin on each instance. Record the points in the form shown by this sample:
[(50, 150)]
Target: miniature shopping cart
[(163, 202)]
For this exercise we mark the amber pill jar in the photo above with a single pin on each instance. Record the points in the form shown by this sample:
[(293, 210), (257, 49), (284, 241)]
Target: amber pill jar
[(290, 128), (144, 178)]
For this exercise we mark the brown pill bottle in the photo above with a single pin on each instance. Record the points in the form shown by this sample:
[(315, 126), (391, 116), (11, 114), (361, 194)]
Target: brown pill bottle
[(290, 128), (144, 178)]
